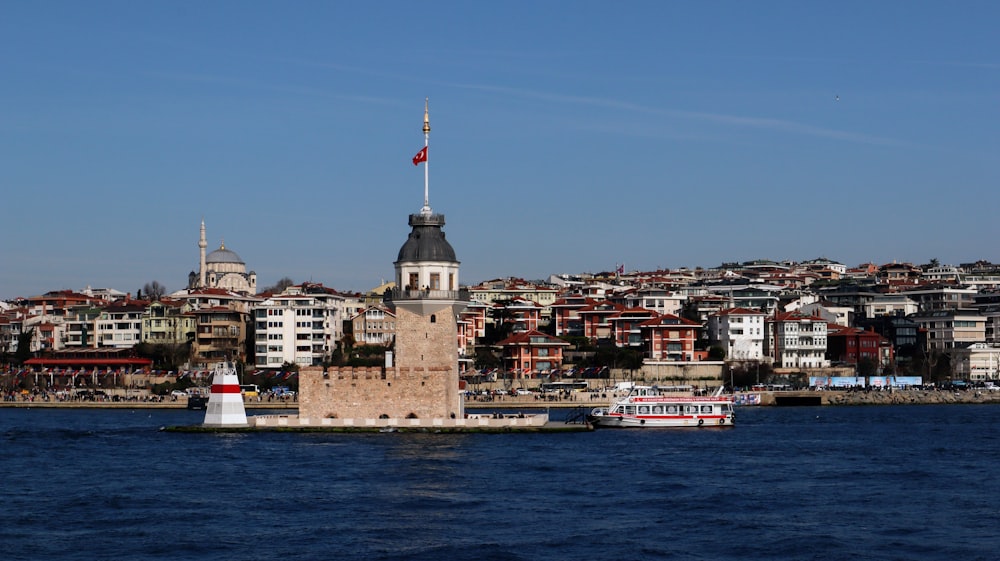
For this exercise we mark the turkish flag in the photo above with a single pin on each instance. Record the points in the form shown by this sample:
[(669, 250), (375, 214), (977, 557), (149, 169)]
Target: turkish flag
[(421, 156)]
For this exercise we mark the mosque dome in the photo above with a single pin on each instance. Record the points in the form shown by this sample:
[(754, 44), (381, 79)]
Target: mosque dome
[(426, 241), (223, 255)]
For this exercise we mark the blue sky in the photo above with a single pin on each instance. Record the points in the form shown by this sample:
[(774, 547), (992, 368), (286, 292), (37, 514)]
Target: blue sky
[(567, 136)]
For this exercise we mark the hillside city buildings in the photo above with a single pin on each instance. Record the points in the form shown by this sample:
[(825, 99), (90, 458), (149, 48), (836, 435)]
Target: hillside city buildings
[(793, 315)]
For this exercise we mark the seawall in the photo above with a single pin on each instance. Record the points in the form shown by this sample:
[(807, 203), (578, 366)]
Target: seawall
[(834, 397)]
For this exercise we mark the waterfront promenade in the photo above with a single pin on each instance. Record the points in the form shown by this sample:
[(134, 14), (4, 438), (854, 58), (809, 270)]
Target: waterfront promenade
[(857, 397)]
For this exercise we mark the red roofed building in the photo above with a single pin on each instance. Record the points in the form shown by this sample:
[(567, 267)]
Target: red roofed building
[(58, 302), (850, 345), (626, 327), (669, 337), (471, 327), (566, 314), (523, 315), (595, 320), (532, 352)]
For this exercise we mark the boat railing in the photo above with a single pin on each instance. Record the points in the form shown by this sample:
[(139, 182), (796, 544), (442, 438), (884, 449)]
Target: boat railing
[(577, 415)]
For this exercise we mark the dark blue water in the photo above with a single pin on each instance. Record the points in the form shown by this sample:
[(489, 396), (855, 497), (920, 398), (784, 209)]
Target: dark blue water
[(906, 482)]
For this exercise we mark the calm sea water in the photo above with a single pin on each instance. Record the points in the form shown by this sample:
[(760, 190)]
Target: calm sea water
[(907, 482)]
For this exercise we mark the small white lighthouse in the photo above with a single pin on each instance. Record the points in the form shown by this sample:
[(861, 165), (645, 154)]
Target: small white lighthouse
[(225, 405)]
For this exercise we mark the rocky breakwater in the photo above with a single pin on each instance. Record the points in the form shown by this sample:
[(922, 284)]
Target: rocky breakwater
[(909, 397)]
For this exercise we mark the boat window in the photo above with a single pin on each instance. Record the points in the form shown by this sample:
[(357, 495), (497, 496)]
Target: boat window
[(706, 408), (672, 409), (630, 409), (657, 409), (644, 410), (690, 408)]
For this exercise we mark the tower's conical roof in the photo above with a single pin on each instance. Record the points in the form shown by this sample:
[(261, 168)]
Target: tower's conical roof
[(426, 241)]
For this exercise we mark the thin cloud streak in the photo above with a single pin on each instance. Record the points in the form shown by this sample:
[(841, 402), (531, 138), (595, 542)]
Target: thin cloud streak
[(753, 122)]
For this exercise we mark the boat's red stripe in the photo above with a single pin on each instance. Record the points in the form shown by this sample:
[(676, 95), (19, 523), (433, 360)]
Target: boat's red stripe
[(672, 416), (225, 388)]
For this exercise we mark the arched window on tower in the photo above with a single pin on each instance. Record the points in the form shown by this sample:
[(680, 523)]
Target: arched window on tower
[(434, 318)]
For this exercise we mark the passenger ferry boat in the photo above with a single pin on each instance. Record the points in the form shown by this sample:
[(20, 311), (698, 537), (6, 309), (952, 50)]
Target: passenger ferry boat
[(653, 406)]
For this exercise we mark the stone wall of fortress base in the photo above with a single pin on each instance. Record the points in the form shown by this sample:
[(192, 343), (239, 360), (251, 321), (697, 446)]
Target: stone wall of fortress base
[(374, 392)]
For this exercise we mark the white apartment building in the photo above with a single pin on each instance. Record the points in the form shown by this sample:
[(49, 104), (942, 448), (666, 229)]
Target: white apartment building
[(796, 341), (120, 324), (977, 362), (739, 331), (840, 315), (889, 305), (299, 329), (943, 273), (374, 326), (81, 327)]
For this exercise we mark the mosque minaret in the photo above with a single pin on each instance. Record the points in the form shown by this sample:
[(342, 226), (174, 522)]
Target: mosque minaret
[(202, 244)]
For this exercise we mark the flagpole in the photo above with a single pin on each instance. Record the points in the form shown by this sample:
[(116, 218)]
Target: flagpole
[(427, 133)]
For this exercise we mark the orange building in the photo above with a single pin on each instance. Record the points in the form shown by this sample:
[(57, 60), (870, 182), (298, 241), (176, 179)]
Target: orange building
[(669, 337), (531, 353)]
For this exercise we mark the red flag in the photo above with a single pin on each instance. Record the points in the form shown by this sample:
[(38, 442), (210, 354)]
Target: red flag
[(421, 156)]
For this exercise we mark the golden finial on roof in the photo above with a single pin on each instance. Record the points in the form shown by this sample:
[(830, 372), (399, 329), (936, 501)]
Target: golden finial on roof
[(427, 119)]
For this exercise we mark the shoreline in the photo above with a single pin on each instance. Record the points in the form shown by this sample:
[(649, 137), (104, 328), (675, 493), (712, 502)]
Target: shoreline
[(249, 406), (766, 399)]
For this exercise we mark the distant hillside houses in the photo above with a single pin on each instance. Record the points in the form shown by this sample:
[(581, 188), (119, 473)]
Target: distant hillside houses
[(933, 320)]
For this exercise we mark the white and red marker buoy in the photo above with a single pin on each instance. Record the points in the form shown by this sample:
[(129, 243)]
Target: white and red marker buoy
[(225, 405)]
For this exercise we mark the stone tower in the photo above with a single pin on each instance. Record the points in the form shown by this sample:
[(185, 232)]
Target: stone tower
[(427, 306), (426, 297), (421, 384)]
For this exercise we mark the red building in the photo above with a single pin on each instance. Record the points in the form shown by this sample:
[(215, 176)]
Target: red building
[(531, 353), (851, 344), (523, 315), (595, 319), (566, 314), (626, 326), (669, 337)]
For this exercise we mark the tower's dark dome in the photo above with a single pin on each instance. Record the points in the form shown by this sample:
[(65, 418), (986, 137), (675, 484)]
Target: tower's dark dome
[(426, 241)]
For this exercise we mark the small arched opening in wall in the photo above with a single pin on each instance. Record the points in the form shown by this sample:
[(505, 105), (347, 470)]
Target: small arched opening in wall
[(434, 318), (383, 416), (412, 416)]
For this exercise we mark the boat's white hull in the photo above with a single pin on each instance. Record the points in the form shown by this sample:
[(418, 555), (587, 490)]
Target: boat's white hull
[(652, 406), (651, 421)]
